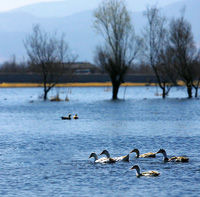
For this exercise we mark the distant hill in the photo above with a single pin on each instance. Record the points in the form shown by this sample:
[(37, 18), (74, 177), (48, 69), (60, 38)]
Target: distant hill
[(58, 8), (78, 26), (64, 8)]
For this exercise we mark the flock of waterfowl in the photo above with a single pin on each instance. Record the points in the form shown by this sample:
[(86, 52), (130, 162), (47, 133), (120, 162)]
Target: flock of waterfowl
[(69, 117), (108, 159)]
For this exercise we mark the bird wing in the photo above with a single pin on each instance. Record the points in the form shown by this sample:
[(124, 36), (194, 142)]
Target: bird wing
[(105, 160), (150, 173), (122, 158), (148, 155), (179, 159)]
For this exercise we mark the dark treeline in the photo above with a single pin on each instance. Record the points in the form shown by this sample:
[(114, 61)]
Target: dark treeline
[(165, 48), (12, 66)]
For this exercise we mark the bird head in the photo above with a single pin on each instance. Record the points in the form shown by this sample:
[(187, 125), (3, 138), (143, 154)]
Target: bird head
[(134, 167), (134, 150), (92, 155), (161, 151), (104, 152)]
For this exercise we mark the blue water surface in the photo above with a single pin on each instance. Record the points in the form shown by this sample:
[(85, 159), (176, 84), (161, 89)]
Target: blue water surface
[(42, 155)]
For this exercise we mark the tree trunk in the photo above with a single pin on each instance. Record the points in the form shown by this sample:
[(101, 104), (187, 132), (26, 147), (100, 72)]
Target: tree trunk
[(196, 92), (196, 88), (45, 95), (115, 89), (189, 90), (45, 92), (164, 93), (44, 84)]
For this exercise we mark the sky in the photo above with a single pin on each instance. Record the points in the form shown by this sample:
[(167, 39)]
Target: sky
[(6, 5)]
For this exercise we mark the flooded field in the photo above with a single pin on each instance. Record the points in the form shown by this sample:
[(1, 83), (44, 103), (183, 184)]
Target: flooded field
[(42, 155)]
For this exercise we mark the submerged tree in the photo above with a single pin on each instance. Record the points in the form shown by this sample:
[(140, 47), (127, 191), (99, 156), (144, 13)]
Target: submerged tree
[(47, 53), (121, 46), (196, 74), (156, 50), (184, 51)]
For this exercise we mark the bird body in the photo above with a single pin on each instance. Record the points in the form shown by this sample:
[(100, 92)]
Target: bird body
[(66, 117), (121, 158), (101, 160), (173, 159), (75, 116), (148, 173), (179, 159), (150, 154)]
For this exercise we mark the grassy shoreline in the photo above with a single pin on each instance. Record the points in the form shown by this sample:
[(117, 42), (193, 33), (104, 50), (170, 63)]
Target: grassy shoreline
[(87, 84)]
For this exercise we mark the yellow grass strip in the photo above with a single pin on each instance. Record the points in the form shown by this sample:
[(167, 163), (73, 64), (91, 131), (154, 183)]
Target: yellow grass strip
[(88, 84), (19, 85)]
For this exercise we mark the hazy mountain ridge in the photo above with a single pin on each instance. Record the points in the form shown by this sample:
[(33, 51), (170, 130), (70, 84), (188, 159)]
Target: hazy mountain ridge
[(78, 27), (58, 8), (64, 8)]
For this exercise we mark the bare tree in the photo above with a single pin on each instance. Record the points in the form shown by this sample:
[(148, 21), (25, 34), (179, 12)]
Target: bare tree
[(47, 53), (121, 46), (196, 74), (166, 68), (156, 52), (183, 50)]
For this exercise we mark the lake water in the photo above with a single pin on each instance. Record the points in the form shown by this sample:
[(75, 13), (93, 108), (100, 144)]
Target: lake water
[(42, 155)]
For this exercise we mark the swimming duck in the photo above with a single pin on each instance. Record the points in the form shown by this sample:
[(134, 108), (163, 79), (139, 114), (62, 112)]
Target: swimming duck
[(66, 117), (175, 159), (143, 155), (101, 160), (148, 173), (75, 116), (122, 158)]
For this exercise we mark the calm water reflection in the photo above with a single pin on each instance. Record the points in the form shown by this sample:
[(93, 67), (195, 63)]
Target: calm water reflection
[(42, 155)]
